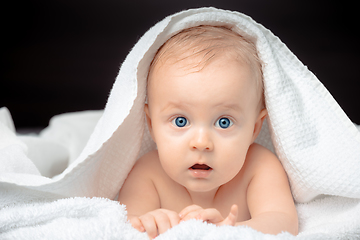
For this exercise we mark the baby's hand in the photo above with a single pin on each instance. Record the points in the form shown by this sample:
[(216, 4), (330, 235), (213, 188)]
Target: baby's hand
[(210, 215), (155, 222)]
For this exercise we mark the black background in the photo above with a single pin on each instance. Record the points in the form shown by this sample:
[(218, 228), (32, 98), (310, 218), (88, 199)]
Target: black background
[(63, 55)]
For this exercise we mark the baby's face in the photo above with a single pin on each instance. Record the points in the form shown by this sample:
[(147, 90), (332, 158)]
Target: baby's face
[(202, 122)]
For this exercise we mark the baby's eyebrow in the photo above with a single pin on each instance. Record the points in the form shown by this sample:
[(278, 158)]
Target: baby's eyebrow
[(172, 104), (231, 106), (184, 105)]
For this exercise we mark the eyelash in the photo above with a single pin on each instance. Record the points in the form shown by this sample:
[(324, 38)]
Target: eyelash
[(178, 122), (175, 123), (218, 125)]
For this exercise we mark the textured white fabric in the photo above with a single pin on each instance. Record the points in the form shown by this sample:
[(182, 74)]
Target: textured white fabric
[(97, 218), (317, 144)]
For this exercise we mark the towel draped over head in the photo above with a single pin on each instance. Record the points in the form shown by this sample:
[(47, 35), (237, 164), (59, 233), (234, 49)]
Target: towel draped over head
[(315, 141)]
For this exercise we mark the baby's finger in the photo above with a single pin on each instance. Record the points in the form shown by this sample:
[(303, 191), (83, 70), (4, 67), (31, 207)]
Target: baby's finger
[(192, 215), (211, 215), (136, 223), (173, 217), (232, 217), (189, 209), (148, 222), (162, 221)]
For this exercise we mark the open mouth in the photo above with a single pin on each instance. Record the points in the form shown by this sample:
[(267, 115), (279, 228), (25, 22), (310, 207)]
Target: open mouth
[(200, 171), (200, 167)]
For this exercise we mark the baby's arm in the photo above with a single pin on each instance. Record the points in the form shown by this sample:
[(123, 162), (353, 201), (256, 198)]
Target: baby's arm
[(142, 201), (269, 197)]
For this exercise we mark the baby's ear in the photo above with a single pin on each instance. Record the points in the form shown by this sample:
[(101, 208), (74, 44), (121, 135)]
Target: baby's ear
[(259, 122), (148, 120)]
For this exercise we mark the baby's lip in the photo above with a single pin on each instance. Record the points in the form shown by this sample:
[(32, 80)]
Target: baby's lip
[(198, 166), (200, 171)]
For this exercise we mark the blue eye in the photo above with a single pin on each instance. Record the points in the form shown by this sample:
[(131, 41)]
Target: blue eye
[(180, 121), (223, 123)]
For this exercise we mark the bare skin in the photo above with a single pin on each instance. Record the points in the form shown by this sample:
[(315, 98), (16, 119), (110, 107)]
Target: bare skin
[(207, 165), (167, 203)]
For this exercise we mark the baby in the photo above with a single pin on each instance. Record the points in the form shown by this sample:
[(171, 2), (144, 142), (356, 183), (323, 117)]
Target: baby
[(205, 109)]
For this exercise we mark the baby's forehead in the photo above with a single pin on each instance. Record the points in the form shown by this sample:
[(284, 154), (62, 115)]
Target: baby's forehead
[(190, 63), (196, 48), (203, 44), (216, 72)]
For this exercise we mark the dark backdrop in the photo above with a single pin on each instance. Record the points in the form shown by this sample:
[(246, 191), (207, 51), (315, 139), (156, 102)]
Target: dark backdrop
[(63, 55)]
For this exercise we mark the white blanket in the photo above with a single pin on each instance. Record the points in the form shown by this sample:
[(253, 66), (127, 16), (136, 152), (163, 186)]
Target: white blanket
[(317, 144)]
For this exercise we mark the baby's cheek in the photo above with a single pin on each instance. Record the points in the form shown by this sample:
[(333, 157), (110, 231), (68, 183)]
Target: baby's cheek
[(169, 158), (232, 170), (233, 162)]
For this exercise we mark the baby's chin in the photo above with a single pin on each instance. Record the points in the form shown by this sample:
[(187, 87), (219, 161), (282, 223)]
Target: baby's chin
[(202, 186)]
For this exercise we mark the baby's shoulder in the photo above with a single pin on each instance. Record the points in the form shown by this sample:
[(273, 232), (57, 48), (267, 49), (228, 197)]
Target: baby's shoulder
[(260, 159), (148, 165)]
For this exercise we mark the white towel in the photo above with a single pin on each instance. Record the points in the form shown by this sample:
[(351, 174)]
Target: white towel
[(317, 144), (99, 218)]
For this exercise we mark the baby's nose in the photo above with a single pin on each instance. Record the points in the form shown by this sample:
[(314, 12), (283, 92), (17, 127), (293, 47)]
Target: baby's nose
[(202, 141)]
